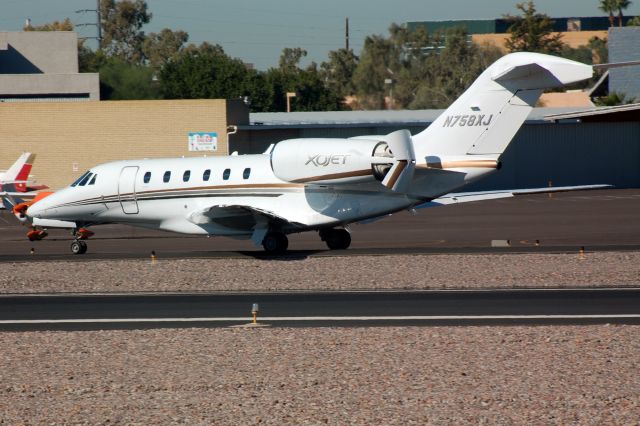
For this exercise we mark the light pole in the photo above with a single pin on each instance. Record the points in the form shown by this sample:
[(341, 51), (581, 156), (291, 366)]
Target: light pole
[(289, 96)]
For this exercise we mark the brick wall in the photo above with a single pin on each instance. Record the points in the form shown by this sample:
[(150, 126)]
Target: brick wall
[(80, 135)]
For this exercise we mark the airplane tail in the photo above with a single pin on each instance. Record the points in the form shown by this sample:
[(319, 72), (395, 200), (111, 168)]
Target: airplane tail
[(485, 118), (20, 170)]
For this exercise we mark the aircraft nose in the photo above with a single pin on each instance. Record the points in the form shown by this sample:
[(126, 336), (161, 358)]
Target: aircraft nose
[(35, 211), (40, 209)]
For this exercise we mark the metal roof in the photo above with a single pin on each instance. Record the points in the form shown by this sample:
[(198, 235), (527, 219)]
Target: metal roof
[(270, 120)]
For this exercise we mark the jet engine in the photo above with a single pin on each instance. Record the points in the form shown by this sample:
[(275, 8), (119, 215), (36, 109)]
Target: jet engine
[(388, 159), (331, 161)]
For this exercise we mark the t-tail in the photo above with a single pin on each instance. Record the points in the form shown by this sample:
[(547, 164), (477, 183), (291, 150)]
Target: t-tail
[(481, 123)]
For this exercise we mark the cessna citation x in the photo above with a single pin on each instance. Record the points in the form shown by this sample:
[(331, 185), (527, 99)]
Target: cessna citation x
[(317, 184)]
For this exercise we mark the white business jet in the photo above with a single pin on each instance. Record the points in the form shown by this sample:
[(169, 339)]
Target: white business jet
[(318, 184)]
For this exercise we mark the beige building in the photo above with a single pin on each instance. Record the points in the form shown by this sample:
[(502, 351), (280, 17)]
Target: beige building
[(70, 137)]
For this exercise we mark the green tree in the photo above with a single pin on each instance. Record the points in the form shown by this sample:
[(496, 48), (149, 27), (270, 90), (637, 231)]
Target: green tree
[(337, 72), (121, 80), (378, 60), (532, 32), (613, 99), (311, 92), (634, 22), (621, 5), (65, 25), (122, 34), (609, 7), (425, 71), (449, 73), (290, 58), (207, 72), (159, 48)]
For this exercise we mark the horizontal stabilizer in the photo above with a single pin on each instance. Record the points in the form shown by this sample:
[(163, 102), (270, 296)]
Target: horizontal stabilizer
[(466, 197)]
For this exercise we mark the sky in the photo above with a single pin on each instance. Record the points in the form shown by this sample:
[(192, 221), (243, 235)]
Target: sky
[(256, 31)]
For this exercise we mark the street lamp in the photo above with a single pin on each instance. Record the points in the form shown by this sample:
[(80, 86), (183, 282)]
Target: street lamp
[(289, 96)]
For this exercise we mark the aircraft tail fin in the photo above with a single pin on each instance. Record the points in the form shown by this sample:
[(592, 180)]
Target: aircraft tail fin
[(485, 118), (20, 170)]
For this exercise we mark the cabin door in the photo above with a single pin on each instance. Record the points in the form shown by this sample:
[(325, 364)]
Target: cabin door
[(127, 189)]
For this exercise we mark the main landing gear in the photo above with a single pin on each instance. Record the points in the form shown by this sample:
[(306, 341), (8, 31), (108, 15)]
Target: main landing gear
[(275, 242), (336, 239), (79, 246)]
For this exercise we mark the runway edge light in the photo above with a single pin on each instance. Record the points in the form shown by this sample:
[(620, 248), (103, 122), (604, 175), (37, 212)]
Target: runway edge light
[(254, 313)]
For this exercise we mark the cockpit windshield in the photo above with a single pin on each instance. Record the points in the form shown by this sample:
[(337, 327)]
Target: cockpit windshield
[(84, 175)]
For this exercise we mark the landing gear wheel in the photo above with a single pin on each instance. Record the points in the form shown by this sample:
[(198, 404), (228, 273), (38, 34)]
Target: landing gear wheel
[(336, 239), (78, 247), (275, 243)]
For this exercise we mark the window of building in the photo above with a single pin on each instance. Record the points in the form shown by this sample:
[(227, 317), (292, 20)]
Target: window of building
[(186, 175), (93, 180), (226, 174), (206, 175), (167, 176), (246, 173), (147, 177)]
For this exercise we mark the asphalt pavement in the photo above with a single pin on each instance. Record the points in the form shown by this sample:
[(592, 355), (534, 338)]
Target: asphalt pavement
[(307, 309), (596, 220)]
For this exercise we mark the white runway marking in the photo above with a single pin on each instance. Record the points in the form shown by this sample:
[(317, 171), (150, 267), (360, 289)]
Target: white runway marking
[(318, 318)]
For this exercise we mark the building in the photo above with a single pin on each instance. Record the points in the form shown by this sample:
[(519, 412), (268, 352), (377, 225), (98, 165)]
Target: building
[(70, 137), (43, 66), (624, 46), (575, 31)]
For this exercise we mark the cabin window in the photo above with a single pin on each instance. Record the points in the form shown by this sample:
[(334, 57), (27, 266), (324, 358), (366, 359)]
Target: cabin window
[(246, 173), (84, 181), (186, 175), (226, 174), (80, 178), (167, 176), (93, 180), (147, 177), (206, 175)]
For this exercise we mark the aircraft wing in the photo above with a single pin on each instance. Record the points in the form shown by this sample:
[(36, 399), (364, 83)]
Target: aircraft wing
[(255, 220), (465, 197)]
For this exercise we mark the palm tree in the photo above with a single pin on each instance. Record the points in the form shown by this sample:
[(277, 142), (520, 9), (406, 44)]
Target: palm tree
[(609, 6), (621, 5)]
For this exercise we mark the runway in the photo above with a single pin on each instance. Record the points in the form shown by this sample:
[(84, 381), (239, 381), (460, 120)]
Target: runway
[(317, 309), (597, 220)]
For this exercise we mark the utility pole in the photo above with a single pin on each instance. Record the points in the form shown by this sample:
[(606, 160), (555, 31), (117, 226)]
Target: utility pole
[(97, 23), (346, 34)]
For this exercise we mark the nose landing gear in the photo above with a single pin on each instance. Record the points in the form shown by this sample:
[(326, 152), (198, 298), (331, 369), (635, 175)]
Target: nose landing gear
[(78, 247)]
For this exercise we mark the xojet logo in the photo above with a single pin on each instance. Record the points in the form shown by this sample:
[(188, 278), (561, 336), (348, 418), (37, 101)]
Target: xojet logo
[(322, 160)]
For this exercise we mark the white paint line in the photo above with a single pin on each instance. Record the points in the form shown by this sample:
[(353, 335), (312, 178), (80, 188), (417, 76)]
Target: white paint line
[(318, 318)]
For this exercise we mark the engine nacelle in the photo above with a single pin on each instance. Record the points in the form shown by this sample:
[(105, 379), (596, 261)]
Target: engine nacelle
[(330, 161)]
